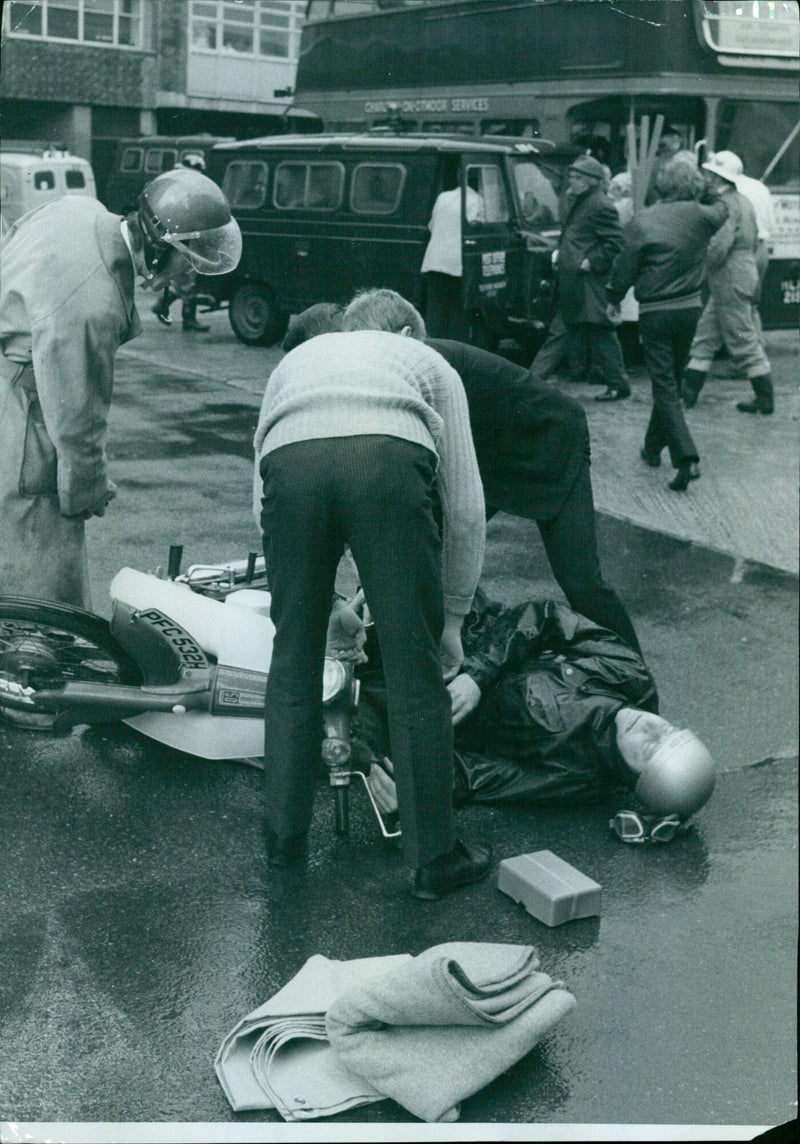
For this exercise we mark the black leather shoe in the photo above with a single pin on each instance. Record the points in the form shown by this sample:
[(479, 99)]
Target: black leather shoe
[(757, 405), (686, 473), (651, 459), (193, 325), (285, 851), (613, 395), (463, 864)]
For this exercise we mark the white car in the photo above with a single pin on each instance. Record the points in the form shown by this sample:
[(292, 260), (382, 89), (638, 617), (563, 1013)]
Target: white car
[(28, 179)]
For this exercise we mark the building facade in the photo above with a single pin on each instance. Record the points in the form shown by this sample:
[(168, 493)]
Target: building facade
[(85, 73)]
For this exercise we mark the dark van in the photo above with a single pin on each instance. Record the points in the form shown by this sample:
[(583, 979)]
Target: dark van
[(326, 215), (138, 160)]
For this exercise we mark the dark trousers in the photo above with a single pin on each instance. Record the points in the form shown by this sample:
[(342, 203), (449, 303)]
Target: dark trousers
[(666, 339), (552, 352), (444, 307), (375, 494), (600, 345), (570, 541)]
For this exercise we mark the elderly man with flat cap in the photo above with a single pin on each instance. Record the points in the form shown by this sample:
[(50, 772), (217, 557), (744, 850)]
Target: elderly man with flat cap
[(590, 240)]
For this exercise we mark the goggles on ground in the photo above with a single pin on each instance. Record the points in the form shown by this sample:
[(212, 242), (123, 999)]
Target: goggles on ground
[(630, 826)]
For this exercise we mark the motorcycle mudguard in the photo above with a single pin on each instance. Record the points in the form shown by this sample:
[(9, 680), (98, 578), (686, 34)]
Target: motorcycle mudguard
[(237, 636), (208, 736)]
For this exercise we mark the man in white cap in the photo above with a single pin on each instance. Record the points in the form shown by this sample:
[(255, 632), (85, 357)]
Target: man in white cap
[(728, 318), (759, 195)]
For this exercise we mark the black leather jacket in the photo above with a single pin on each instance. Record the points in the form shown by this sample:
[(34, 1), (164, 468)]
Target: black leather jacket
[(551, 683)]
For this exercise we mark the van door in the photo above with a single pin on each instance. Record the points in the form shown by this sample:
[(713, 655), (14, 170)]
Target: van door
[(306, 229), (492, 246)]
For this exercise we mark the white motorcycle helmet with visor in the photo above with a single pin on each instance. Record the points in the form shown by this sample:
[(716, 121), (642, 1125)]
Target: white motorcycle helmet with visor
[(186, 211)]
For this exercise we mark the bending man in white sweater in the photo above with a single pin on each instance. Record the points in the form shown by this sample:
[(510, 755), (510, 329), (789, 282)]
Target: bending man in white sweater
[(357, 434)]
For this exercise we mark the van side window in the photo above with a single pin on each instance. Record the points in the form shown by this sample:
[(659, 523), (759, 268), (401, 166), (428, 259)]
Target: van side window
[(245, 184), (74, 178), (160, 159), (487, 180), (44, 181), (309, 186), (377, 187), (131, 159)]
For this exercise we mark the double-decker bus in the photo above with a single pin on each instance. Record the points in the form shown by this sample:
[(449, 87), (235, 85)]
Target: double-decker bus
[(723, 73)]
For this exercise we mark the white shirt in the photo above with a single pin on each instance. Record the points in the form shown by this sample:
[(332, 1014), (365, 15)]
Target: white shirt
[(443, 252), (759, 196)]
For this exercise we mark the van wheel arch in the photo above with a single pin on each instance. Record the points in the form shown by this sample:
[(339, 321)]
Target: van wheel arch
[(255, 316)]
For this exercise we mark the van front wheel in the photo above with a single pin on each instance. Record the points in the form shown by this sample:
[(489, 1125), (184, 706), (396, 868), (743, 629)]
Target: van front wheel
[(254, 317)]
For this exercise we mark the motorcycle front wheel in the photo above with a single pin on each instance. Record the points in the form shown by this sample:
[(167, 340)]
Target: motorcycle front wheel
[(43, 646)]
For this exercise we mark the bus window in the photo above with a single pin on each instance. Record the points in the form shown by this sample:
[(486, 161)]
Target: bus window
[(756, 132), (377, 188), (74, 179), (527, 128), (538, 196), (131, 160), (245, 184), (487, 180), (347, 126), (395, 125), (456, 128)]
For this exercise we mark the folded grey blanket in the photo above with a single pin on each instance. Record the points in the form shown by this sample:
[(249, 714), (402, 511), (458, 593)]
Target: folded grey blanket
[(426, 1031), (438, 1028)]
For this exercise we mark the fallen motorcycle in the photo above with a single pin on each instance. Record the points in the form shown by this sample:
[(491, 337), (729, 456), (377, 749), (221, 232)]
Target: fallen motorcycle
[(184, 660)]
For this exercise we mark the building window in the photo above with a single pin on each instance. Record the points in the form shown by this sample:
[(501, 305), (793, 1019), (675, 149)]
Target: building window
[(245, 184), (268, 28), (377, 187), (110, 23)]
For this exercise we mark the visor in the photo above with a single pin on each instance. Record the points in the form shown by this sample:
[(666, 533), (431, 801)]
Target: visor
[(215, 251)]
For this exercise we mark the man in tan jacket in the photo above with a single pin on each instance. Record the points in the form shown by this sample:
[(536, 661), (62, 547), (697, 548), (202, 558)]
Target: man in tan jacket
[(66, 306)]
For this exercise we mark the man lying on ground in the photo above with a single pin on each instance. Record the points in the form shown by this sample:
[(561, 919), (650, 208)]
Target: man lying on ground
[(549, 707)]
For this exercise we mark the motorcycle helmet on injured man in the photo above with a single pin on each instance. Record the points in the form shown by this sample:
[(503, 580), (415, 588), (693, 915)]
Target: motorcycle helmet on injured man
[(679, 776)]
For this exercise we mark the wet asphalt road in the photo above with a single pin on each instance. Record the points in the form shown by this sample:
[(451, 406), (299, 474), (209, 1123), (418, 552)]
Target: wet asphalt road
[(141, 921)]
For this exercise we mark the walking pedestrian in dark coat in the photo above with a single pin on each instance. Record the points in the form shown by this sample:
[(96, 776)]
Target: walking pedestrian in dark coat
[(590, 240), (664, 259)]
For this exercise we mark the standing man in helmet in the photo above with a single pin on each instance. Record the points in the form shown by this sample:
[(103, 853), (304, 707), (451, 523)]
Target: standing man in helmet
[(184, 285), (66, 306)]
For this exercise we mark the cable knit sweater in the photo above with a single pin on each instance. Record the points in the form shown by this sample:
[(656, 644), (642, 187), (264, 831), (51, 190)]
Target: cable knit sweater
[(372, 382)]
